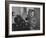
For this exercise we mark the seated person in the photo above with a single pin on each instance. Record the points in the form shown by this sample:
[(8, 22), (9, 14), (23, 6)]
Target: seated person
[(20, 24)]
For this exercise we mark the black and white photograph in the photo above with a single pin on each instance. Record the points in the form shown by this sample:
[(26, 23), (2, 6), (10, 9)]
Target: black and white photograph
[(25, 19)]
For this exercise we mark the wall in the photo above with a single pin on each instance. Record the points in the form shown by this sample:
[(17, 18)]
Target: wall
[(2, 19)]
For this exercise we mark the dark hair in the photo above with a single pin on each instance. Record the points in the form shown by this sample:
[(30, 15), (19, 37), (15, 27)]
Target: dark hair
[(30, 10)]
